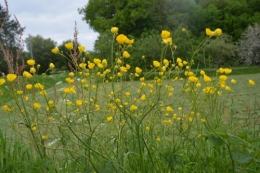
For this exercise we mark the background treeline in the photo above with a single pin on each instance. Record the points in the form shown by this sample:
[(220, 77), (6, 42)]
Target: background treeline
[(143, 21)]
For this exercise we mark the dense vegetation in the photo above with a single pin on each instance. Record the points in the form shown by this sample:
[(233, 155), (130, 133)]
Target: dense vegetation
[(143, 20)]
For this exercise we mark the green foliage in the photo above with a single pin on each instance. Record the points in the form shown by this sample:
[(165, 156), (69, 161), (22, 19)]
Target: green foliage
[(146, 49), (103, 46), (132, 16), (232, 16), (221, 51)]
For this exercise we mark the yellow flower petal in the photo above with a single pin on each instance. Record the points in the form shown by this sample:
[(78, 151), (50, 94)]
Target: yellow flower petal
[(11, 77)]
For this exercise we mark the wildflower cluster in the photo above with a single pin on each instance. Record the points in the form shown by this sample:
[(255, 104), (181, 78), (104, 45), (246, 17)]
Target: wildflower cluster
[(98, 117)]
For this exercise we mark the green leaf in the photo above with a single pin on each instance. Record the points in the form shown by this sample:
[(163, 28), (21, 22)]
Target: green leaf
[(241, 157), (254, 140), (215, 140)]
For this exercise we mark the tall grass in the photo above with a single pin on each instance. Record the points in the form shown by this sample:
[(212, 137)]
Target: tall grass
[(105, 119)]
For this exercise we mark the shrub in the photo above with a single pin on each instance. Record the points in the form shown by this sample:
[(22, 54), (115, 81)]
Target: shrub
[(249, 45)]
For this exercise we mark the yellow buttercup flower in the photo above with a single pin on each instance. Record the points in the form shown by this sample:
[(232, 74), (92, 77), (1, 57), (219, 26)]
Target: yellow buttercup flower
[(32, 70), (70, 90), (251, 82), (206, 78), (79, 102), (37, 105), (51, 66), (11, 77), (167, 41), (82, 65), (227, 70), (43, 92), (143, 97), (28, 86), (109, 118), (97, 107), (126, 54), (169, 109), (26, 98), (31, 62), (55, 50), (222, 78), (180, 64), (128, 41), (127, 66), (209, 32), (114, 30), (166, 62), (198, 85), (233, 81), (123, 69), (81, 48), (91, 66), (96, 61), (138, 70), (19, 92), (156, 64), (133, 108), (27, 74), (127, 94), (44, 137), (218, 32), (221, 70), (209, 90), (38, 86), (227, 88), (100, 65), (34, 128), (185, 62), (179, 60), (50, 102), (121, 39), (69, 45), (193, 79), (165, 34), (2, 81), (71, 74), (7, 108)]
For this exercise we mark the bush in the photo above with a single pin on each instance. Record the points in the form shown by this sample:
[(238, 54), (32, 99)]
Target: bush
[(249, 45)]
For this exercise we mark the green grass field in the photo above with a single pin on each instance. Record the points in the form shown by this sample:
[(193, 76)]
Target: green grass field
[(241, 97)]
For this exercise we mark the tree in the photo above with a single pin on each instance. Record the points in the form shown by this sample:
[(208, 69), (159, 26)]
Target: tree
[(41, 49), (10, 42), (9, 29), (249, 45), (131, 16), (232, 17), (221, 51)]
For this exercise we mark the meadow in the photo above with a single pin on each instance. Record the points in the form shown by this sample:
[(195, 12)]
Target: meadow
[(103, 117)]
